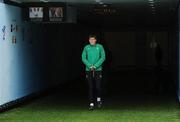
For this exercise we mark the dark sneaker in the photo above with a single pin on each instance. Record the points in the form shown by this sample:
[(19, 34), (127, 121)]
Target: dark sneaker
[(99, 104)]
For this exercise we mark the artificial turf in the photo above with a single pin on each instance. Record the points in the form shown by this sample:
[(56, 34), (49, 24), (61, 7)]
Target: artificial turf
[(73, 108), (70, 104)]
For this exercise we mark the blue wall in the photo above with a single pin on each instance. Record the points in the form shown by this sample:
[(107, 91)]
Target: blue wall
[(179, 53), (45, 54), (20, 63)]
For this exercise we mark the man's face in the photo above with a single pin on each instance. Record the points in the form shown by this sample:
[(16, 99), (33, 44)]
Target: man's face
[(92, 41)]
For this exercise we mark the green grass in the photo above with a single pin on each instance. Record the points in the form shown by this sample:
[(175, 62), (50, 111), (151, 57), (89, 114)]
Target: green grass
[(55, 108)]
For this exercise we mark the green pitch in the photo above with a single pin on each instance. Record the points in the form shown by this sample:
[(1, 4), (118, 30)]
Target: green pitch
[(70, 108)]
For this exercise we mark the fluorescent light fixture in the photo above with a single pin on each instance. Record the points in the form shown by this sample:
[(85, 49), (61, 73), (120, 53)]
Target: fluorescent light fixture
[(17, 1), (151, 1), (98, 1), (105, 5), (44, 1)]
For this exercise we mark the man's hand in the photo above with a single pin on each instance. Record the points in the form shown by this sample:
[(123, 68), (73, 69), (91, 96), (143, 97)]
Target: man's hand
[(92, 68)]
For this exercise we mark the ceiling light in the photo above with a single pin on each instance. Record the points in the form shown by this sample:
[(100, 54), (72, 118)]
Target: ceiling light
[(151, 1), (17, 1), (98, 1), (44, 1), (105, 5)]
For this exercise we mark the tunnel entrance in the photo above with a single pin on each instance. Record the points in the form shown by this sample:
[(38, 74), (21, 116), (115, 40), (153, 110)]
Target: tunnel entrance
[(44, 47), (130, 33)]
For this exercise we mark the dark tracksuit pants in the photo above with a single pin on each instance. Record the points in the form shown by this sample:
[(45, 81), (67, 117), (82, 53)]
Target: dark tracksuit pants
[(94, 84)]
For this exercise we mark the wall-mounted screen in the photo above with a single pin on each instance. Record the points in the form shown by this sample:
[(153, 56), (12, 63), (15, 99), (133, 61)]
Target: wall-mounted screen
[(36, 13), (51, 12), (56, 13)]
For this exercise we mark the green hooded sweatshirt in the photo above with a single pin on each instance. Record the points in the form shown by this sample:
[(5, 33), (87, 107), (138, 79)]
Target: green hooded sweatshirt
[(93, 55)]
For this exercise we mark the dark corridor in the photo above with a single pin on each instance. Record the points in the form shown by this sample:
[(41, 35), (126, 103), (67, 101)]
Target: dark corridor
[(44, 70)]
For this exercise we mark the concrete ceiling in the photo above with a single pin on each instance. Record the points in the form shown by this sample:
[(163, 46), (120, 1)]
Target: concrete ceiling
[(170, 2), (93, 1), (130, 12)]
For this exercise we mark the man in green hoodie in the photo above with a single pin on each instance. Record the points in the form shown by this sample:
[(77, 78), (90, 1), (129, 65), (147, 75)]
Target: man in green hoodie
[(93, 56)]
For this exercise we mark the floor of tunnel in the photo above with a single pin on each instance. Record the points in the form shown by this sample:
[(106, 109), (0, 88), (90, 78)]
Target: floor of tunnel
[(70, 108), (71, 104)]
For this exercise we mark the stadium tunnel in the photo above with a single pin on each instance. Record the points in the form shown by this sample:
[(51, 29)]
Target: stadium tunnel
[(40, 55)]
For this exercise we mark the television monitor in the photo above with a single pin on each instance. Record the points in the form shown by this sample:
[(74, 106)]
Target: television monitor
[(36, 13), (56, 14)]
